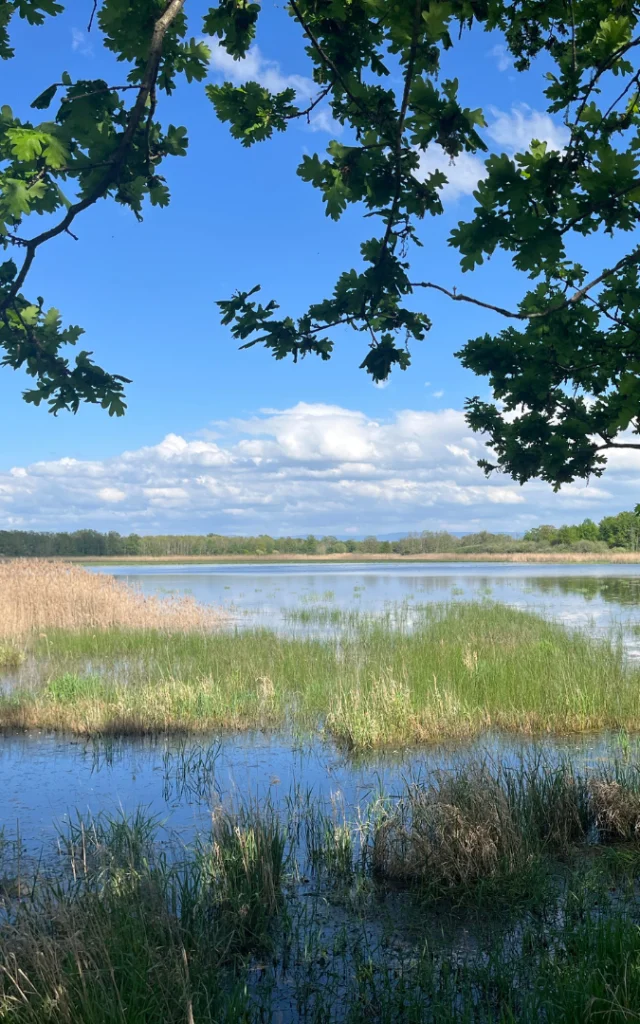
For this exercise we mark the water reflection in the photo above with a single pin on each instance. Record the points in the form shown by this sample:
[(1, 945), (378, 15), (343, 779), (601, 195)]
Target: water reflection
[(595, 596), (46, 779), (613, 590)]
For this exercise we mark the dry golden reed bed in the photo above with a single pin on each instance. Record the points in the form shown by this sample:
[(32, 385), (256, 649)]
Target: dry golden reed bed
[(36, 594), (521, 556)]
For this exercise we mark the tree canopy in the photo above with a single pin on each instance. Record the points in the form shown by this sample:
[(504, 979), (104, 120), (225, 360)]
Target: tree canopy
[(563, 366), (616, 531)]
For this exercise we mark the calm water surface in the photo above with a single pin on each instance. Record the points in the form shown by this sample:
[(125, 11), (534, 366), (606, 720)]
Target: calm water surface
[(595, 597), (44, 778), (47, 779)]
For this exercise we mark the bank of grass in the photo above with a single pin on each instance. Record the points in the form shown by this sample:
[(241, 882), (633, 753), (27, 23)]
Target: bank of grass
[(553, 555), (461, 669), (299, 915)]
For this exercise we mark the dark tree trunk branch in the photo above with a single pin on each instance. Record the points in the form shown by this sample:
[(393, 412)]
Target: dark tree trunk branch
[(136, 115)]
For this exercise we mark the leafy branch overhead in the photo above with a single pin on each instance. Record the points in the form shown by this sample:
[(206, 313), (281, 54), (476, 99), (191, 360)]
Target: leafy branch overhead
[(564, 366)]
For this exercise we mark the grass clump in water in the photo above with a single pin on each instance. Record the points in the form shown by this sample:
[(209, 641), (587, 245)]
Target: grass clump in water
[(246, 865), (458, 830), (460, 670), (132, 935)]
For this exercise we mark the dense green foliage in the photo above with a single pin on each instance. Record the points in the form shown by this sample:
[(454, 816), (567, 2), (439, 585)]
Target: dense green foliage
[(564, 376), (621, 531)]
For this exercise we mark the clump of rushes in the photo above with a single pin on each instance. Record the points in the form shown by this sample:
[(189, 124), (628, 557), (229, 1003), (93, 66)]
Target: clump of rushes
[(460, 828), (138, 936), (617, 810), (460, 670), (245, 864)]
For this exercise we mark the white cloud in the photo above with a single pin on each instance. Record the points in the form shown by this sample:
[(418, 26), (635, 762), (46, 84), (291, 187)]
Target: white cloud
[(437, 394), (80, 43), (255, 67), (111, 494), (501, 56), (310, 468), (512, 132), (463, 173), (322, 121), (516, 130)]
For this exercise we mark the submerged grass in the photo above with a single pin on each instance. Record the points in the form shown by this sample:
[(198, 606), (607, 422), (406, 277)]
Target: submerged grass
[(460, 669)]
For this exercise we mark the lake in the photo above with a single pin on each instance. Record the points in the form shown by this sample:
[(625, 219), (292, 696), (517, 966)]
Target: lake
[(596, 597), (46, 778)]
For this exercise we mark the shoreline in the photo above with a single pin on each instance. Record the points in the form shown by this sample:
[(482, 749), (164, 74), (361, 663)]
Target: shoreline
[(549, 558)]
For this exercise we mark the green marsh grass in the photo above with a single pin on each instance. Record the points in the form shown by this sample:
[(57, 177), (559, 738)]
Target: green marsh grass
[(247, 923), (459, 670), (124, 933), (11, 656)]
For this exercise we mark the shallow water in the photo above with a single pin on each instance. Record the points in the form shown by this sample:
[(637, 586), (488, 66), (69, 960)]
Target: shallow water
[(595, 597), (46, 779)]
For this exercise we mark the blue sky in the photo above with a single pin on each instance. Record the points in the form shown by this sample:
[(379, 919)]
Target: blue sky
[(263, 445)]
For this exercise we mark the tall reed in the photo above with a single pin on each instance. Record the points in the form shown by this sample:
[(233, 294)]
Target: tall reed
[(36, 594)]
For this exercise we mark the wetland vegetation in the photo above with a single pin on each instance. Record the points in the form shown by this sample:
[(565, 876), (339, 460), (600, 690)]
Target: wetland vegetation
[(492, 887), (459, 670), (477, 895)]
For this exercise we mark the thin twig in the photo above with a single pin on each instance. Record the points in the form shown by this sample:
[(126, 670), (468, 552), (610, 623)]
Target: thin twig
[(326, 59), (307, 110), (13, 238), (620, 52), (400, 132), (626, 261), (93, 14), (616, 444), (573, 37)]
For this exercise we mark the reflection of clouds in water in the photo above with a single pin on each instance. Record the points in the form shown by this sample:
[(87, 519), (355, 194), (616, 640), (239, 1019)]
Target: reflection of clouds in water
[(593, 597), (43, 776)]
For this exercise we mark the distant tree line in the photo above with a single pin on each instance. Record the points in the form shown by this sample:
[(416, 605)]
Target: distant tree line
[(620, 531)]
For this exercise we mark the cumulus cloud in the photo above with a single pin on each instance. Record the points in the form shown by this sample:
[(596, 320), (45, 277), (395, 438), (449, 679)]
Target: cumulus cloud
[(512, 132), (516, 130), (309, 468), (255, 67), (111, 494), (501, 57), (463, 173)]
